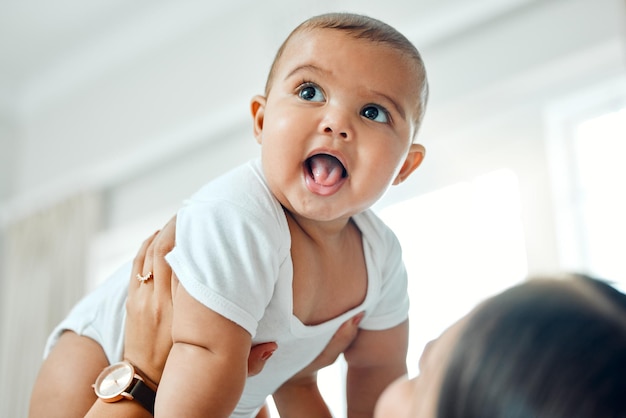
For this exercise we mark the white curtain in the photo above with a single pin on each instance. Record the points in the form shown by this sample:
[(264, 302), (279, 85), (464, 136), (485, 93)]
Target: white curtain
[(43, 275)]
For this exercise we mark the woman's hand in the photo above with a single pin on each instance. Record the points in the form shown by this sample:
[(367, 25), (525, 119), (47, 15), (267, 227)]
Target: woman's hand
[(300, 396), (148, 337), (342, 339)]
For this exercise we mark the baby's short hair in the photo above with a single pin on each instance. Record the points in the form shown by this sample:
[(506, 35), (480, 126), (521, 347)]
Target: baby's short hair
[(362, 27)]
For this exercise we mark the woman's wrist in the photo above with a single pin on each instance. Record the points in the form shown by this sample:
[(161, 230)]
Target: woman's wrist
[(147, 379)]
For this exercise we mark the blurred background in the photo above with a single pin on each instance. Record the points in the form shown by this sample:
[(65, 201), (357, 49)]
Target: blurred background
[(113, 112)]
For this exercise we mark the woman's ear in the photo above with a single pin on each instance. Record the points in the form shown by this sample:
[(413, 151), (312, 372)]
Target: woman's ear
[(412, 161), (257, 107)]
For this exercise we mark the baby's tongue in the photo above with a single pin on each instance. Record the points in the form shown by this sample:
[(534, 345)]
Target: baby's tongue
[(326, 169)]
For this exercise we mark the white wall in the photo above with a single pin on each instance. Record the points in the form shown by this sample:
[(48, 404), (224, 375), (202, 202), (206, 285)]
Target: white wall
[(8, 139)]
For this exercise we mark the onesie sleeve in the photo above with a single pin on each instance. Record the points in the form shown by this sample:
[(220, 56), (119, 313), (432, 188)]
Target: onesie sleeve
[(227, 257), (392, 305)]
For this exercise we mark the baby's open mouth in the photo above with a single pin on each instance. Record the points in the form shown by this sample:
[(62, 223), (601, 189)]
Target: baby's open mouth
[(325, 169)]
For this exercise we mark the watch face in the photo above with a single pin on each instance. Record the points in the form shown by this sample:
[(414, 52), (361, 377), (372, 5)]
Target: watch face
[(114, 380)]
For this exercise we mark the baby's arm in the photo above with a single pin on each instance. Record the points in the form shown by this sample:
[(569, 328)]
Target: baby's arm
[(206, 370), (375, 359), (300, 397)]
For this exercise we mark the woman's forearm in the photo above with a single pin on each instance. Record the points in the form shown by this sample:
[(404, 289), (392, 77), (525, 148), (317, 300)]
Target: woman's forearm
[(125, 408)]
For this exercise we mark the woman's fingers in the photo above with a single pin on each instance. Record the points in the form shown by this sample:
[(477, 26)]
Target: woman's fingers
[(159, 248), (259, 354), (148, 334), (339, 343), (342, 339), (139, 262)]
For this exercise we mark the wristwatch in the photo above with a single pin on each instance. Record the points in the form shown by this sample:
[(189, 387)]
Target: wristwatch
[(120, 381)]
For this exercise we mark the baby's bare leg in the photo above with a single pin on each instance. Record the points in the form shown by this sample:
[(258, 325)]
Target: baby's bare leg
[(63, 386)]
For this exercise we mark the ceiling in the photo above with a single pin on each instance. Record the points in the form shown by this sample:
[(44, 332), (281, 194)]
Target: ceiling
[(49, 47)]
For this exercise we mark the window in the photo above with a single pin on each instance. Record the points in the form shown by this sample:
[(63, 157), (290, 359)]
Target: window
[(587, 145), (600, 152)]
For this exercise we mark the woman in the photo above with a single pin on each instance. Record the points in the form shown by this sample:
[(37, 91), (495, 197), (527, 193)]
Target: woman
[(551, 347)]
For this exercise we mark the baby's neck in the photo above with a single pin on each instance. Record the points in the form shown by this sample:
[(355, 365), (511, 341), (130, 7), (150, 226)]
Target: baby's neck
[(329, 270), (322, 232)]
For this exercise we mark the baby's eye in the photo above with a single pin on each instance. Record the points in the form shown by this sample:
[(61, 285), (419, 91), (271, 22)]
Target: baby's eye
[(375, 113), (311, 93)]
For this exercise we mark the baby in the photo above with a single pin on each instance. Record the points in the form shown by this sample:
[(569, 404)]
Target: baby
[(285, 248)]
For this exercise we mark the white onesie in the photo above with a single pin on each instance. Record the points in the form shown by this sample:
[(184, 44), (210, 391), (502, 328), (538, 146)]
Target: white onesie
[(232, 254)]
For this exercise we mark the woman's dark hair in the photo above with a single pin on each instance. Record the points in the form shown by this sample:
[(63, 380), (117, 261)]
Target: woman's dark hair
[(545, 348)]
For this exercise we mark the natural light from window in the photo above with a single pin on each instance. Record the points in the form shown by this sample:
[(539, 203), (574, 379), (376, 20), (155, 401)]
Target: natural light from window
[(600, 150), (460, 244)]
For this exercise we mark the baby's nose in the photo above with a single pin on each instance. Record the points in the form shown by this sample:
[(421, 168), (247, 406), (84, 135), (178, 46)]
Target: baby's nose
[(337, 122), (329, 130)]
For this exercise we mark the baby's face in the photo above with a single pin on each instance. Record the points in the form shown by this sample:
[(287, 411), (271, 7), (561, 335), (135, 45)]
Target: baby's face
[(337, 125)]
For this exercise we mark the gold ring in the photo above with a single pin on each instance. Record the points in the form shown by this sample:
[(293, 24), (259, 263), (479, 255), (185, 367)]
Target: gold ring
[(144, 278)]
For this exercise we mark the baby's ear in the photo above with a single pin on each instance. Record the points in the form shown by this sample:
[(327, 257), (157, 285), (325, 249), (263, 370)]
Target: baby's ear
[(413, 160), (257, 107)]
